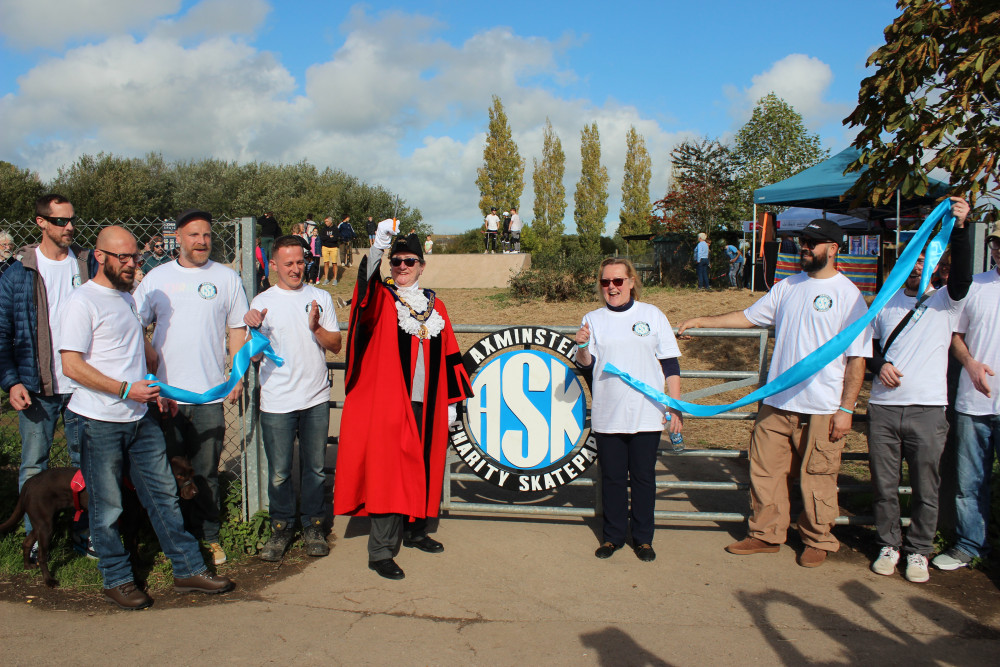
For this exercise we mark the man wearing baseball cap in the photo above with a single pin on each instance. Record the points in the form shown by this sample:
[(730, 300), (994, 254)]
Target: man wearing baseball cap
[(194, 303), (976, 346), (799, 431), (491, 225)]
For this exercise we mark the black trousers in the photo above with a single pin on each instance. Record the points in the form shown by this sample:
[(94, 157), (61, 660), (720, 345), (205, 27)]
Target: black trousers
[(628, 461)]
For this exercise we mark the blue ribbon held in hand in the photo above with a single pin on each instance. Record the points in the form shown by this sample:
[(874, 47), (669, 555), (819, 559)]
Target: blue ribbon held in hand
[(833, 348), (257, 344)]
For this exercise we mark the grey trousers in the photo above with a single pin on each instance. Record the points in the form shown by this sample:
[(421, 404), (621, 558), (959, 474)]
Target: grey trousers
[(916, 434), (386, 531)]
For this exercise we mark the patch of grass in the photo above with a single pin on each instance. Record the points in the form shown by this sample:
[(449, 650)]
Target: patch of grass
[(502, 300), (240, 539)]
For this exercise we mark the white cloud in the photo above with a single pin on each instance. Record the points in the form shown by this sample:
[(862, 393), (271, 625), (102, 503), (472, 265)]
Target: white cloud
[(395, 105), (50, 23), (800, 80)]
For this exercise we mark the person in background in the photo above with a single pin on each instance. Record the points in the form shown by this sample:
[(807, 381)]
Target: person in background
[(371, 227), (269, 230), (701, 260), (735, 257), (428, 245), (490, 225), (157, 255), (315, 252), (346, 232), (515, 230), (6, 251), (788, 246), (330, 240), (308, 225), (637, 338)]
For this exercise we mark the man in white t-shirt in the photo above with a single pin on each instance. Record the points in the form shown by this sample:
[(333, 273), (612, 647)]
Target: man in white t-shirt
[(193, 303), (105, 353), (906, 410), (33, 293), (976, 345), (800, 431), (301, 323), (491, 225), (515, 230)]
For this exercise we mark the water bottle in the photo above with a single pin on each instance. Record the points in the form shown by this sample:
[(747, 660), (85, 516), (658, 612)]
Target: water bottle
[(677, 442)]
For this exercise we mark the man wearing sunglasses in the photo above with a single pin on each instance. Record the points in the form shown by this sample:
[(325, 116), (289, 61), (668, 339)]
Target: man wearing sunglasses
[(799, 431), (404, 372), (33, 293), (195, 304), (157, 256)]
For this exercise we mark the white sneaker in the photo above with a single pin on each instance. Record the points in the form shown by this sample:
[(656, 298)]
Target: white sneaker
[(952, 559), (916, 568), (885, 564)]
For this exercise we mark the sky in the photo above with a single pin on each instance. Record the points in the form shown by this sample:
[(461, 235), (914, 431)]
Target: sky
[(397, 93)]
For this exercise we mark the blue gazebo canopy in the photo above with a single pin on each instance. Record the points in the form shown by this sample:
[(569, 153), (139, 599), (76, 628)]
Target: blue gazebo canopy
[(822, 186)]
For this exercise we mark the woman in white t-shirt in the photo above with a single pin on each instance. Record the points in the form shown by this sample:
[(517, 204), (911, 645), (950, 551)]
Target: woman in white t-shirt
[(637, 338)]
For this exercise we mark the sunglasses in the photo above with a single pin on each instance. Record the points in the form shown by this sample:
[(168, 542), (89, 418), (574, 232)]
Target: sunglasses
[(399, 261), (995, 244), (811, 243), (617, 282), (157, 245), (57, 221), (122, 256)]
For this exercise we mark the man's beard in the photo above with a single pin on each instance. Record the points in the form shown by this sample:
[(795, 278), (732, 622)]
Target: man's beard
[(116, 279), (813, 263), (56, 236)]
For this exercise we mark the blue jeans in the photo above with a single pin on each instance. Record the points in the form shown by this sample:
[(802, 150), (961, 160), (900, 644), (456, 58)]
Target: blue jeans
[(110, 450), (279, 430), (978, 438), (736, 273), (197, 432), (37, 425), (702, 274)]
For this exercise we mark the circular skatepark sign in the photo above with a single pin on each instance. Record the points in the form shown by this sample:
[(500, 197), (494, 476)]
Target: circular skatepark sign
[(526, 428)]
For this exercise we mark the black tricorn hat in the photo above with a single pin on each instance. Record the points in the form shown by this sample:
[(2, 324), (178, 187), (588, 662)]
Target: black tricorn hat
[(409, 244)]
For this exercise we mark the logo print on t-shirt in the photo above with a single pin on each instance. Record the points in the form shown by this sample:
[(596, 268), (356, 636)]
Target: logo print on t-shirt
[(823, 303), (207, 291), (309, 305), (640, 329), (77, 281)]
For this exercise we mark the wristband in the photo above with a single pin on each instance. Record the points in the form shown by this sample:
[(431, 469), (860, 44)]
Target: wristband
[(127, 390), (843, 409), (121, 389), (583, 345)]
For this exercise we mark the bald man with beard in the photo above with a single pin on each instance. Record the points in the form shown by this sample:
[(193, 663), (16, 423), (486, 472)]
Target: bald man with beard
[(105, 352)]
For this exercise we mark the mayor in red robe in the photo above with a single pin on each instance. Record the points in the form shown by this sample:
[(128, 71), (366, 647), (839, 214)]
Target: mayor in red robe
[(404, 372)]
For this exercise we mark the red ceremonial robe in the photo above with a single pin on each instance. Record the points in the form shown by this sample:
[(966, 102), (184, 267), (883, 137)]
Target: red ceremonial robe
[(383, 464)]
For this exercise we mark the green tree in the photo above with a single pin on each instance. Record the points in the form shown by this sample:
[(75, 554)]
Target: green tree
[(19, 188), (550, 193), (634, 214), (590, 202), (773, 145), (702, 194), (501, 178), (108, 186), (934, 96)]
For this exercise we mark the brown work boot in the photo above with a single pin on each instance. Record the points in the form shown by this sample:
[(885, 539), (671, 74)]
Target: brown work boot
[(752, 545), (812, 557), (205, 582), (127, 596)]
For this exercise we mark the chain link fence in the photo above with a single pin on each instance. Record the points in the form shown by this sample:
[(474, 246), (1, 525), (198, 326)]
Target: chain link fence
[(228, 238)]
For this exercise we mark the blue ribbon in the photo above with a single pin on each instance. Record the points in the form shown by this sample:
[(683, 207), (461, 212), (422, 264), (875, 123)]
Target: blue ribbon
[(257, 344), (833, 348)]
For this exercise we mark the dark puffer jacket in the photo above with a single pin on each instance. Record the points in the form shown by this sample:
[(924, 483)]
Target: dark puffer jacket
[(25, 329)]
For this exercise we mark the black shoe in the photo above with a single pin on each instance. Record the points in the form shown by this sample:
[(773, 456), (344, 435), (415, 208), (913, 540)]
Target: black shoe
[(206, 582), (127, 596), (386, 568), (315, 539), (274, 548), (606, 549), (424, 543), (645, 553)]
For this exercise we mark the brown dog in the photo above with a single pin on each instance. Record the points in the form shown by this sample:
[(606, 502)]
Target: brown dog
[(49, 491)]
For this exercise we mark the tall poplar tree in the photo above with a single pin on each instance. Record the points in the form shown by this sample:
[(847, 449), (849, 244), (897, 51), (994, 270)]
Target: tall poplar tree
[(591, 198), (550, 193), (634, 214), (501, 178)]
